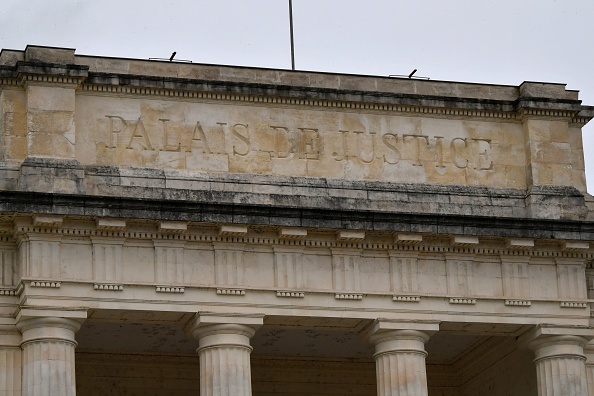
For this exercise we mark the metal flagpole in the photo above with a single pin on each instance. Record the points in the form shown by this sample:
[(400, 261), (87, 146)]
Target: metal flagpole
[(292, 42)]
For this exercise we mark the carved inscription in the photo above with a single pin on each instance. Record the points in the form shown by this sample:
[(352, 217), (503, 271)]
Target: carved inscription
[(305, 142)]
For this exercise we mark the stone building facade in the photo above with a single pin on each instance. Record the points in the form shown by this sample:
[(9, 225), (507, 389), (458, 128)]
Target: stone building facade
[(182, 229)]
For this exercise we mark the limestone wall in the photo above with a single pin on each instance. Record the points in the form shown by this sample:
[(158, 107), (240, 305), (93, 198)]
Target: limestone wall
[(196, 120)]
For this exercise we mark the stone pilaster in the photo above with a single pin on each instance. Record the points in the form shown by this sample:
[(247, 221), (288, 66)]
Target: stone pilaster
[(10, 363), (560, 365), (48, 354), (589, 351), (400, 357), (224, 351)]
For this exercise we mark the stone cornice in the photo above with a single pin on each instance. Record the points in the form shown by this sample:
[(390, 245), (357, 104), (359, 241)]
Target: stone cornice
[(299, 96), (284, 95), (38, 73), (365, 201), (381, 242), (203, 212), (446, 106)]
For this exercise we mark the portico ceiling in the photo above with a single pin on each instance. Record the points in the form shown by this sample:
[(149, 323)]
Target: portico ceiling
[(126, 332)]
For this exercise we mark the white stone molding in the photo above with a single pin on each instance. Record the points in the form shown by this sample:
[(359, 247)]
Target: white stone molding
[(459, 273), (408, 239), (350, 235), (8, 292), (48, 355), (43, 80), (575, 245), (515, 275), (108, 286), (288, 268), (224, 350), (107, 259), (464, 240), (463, 301), (404, 271), (406, 298), (47, 284), (346, 274), (292, 233), (518, 303), (233, 230), (348, 296), (520, 243), (169, 261), (290, 294), (47, 220), (560, 365), (400, 357), (571, 278), (109, 224), (170, 289), (231, 292), (173, 227), (573, 304), (229, 266)]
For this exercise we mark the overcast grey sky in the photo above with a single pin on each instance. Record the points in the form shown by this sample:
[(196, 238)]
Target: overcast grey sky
[(488, 41)]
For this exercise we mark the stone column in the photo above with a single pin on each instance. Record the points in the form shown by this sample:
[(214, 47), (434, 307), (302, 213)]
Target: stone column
[(560, 365), (48, 356), (224, 350), (10, 363), (400, 357)]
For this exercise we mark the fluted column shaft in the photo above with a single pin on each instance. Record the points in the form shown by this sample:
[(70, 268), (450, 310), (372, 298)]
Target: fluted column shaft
[(10, 370), (224, 351), (560, 365), (48, 356), (590, 378), (400, 362)]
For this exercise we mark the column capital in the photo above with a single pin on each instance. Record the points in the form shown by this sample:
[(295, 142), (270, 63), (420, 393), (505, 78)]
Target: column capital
[(78, 315), (553, 346), (389, 336), (219, 329), (382, 328), (39, 325), (550, 340)]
